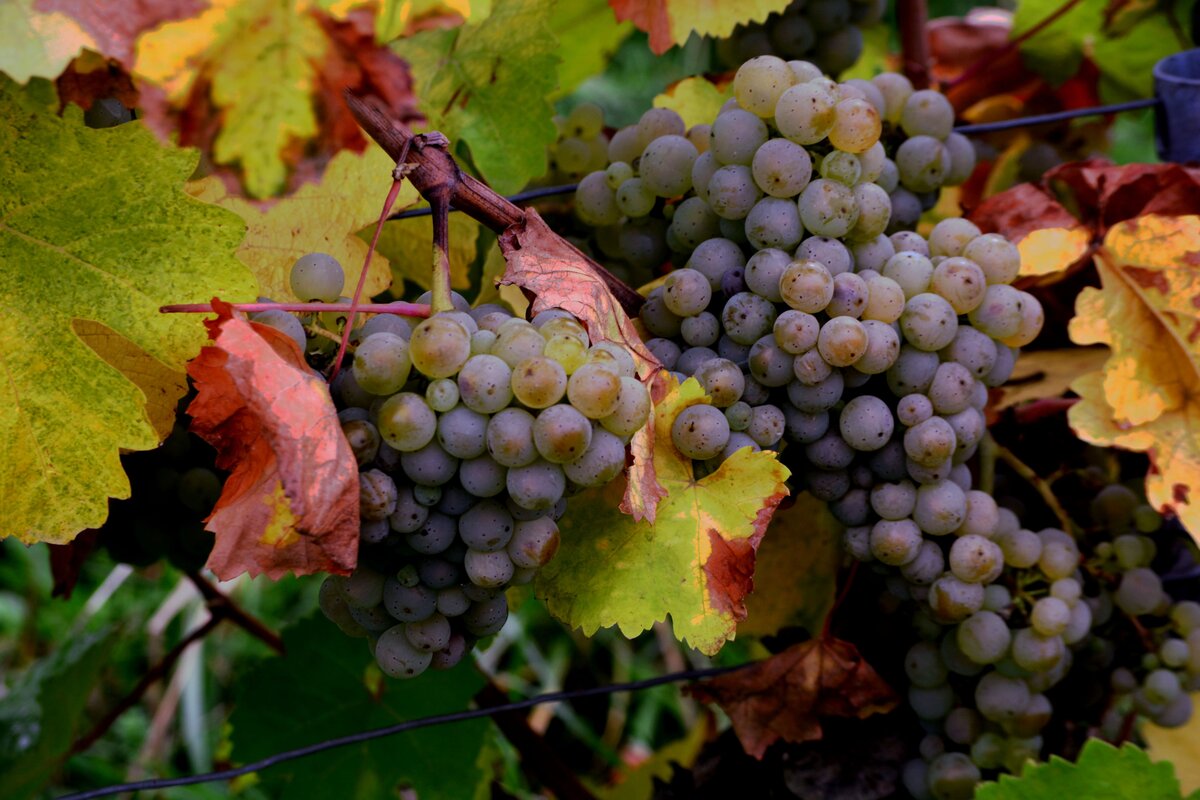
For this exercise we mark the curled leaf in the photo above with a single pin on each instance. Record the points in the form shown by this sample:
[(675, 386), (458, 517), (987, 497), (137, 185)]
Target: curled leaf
[(290, 503), (784, 696)]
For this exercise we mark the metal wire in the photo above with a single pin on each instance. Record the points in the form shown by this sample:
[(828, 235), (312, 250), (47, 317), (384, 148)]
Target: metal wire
[(379, 733), (520, 197)]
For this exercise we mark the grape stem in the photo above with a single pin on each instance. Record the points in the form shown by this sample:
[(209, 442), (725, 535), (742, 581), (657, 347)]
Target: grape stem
[(913, 16), (398, 308), (1040, 486), (434, 167)]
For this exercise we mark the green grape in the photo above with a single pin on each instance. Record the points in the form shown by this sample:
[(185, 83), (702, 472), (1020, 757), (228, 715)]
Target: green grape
[(406, 422), (594, 390), (377, 495), (600, 463), (996, 256), (833, 254), (796, 331), (951, 388), (561, 434), (951, 236), (701, 330), (972, 558), (381, 363), (698, 135), (585, 120), (962, 159), (923, 163), (731, 192), (573, 155), (361, 435), (442, 394), (655, 123), (999, 314), (484, 384), (462, 432), (703, 168), (539, 382), (722, 381), (632, 411), (518, 341), (1139, 592), (489, 569), (510, 438), (686, 292), (562, 323), (866, 423), (1050, 616), (805, 113), (770, 365), (285, 322), (984, 637), (781, 168), (617, 173), (774, 222), (533, 543), (624, 146), (595, 201), (885, 299), (748, 317), (842, 341), (634, 199), (842, 167), (883, 348), (536, 486), (759, 82), (397, 657), (806, 286), (317, 277), (856, 126), (952, 776), (666, 165), (927, 113), (615, 356), (896, 89), (568, 351), (804, 70), (700, 432), (827, 208), (874, 213), (693, 223), (439, 347), (849, 296), (929, 322), (895, 542), (952, 599), (1036, 653), (736, 135), (1032, 319), (873, 160)]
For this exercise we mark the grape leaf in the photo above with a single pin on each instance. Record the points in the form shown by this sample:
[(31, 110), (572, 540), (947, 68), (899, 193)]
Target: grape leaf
[(115, 28), (588, 34), (671, 22), (322, 217), (327, 686), (395, 18), (1046, 373), (1103, 772), (783, 696), (638, 782), (795, 578), (93, 226), (695, 562), (408, 245), (40, 713), (34, 44), (290, 503), (697, 100), (1179, 746), (1147, 397), (485, 84)]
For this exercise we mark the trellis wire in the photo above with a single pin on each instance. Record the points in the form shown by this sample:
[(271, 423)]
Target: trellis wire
[(983, 127), (401, 727)]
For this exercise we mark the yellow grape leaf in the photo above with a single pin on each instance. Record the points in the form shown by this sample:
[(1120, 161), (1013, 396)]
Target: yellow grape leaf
[(638, 783), (695, 562), (697, 100), (795, 581), (321, 217), (1047, 373), (1050, 250), (37, 45), (261, 57), (1147, 396), (1181, 747), (393, 18), (408, 245), (671, 22)]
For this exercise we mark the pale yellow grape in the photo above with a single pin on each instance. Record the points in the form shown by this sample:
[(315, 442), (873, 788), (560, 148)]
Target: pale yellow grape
[(759, 82), (842, 341), (885, 299), (594, 390), (539, 382), (567, 350), (439, 346), (517, 343), (406, 422), (856, 126), (633, 409), (805, 113), (961, 282), (806, 286)]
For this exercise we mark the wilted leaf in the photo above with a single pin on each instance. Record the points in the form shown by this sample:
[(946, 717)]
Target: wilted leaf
[(1147, 398), (1047, 373), (795, 580), (643, 491), (696, 99), (695, 562), (34, 44), (408, 245), (542, 262), (40, 714), (485, 84), (1103, 772), (115, 27), (1021, 210), (783, 697), (290, 503), (108, 244), (322, 217), (670, 22), (344, 693)]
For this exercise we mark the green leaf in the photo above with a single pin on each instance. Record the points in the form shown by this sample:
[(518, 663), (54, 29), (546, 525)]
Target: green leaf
[(588, 34), (695, 562), (94, 225), (408, 246), (486, 84), (327, 686), (1103, 772), (40, 715), (33, 44)]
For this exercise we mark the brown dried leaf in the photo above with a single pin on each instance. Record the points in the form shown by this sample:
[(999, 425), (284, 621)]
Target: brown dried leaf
[(783, 696), (290, 503)]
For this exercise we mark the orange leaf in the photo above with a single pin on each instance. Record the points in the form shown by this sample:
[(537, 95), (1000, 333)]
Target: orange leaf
[(291, 501), (546, 265), (783, 696)]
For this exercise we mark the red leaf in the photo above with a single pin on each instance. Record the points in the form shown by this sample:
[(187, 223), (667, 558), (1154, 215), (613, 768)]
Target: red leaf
[(1021, 210), (85, 88), (67, 559), (115, 27), (290, 503), (783, 696), (650, 16)]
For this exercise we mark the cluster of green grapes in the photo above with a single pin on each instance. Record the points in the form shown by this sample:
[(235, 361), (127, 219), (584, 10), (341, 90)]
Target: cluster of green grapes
[(794, 153), (826, 32), (1025, 614), (173, 488), (469, 428), (581, 146)]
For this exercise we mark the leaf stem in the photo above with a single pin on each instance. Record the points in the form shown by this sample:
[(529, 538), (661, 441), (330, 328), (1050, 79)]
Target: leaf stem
[(439, 201), (399, 308)]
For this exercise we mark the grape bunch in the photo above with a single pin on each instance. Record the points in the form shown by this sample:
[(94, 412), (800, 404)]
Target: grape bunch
[(469, 428), (826, 32), (793, 154), (581, 146)]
